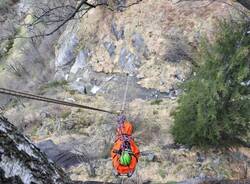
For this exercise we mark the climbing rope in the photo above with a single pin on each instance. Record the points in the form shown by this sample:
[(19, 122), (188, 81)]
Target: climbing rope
[(50, 100), (121, 136), (125, 94), (122, 118)]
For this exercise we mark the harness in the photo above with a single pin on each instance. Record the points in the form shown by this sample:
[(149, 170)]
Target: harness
[(125, 138)]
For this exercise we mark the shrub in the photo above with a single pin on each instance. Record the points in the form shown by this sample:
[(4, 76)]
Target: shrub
[(156, 102), (53, 84), (214, 110), (5, 4)]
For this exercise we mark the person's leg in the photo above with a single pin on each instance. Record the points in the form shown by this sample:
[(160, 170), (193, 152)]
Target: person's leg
[(130, 174), (117, 174)]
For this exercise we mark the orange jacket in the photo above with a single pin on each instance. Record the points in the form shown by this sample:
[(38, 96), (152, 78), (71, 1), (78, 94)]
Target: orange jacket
[(127, 130)]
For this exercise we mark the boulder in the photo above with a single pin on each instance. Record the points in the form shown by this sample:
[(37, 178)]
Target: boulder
[(65, 55), (128, 61), (80, 62), (118, 33), (110, 47), (138, 42)]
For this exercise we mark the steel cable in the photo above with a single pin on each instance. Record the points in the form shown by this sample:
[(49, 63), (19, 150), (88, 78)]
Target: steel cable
[(50, 100)]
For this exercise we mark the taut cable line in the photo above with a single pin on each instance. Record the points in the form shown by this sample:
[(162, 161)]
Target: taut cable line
[(50, 100), (125, 94)]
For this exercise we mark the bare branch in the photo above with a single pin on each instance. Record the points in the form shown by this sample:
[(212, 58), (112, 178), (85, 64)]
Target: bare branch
[(49, 12), (132, 4), (50, 16)]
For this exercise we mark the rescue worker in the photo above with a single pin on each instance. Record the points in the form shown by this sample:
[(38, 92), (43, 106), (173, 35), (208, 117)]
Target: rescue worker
[(125, 153)]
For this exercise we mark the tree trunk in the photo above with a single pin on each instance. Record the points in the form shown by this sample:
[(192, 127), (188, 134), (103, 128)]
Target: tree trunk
[(22, 162), (245, 3)]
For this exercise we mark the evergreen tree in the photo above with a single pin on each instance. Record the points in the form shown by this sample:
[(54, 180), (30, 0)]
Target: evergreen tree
[(214, 110)]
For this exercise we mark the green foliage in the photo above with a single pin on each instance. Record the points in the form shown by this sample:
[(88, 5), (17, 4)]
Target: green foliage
[(4, 4), (171, 182), (5, 47), (54, 84), (156, 102), (162, 173), (65, 114), (155, 112), (214, 110)]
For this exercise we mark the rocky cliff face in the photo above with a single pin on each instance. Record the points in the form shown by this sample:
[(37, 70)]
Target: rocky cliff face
[(154, 42)]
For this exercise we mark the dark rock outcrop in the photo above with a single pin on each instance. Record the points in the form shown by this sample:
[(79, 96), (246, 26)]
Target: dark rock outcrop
[(63, 158)]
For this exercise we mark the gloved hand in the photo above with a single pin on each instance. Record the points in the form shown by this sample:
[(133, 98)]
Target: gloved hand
[(118, 151)]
